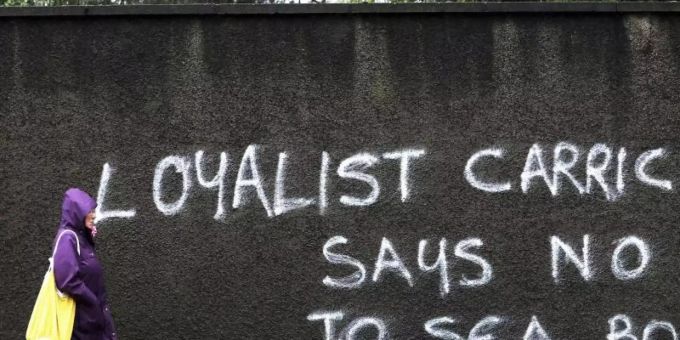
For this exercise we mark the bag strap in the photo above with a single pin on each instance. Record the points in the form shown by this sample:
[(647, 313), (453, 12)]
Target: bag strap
[(56, 244), (54, 252)]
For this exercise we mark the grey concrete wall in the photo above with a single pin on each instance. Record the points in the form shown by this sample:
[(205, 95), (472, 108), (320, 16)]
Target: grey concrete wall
[(77, 92)]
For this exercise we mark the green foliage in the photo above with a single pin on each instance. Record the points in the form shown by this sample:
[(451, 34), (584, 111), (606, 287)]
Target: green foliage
[(17, 3)]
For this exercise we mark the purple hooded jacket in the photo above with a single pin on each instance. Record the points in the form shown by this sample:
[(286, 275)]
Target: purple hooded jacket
[(81, 276)]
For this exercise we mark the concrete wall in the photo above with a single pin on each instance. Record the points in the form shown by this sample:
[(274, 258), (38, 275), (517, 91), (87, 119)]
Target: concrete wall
[(78, 92)]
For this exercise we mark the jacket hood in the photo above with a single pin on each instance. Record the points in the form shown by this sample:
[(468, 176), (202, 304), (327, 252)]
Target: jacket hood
[(77, 204)]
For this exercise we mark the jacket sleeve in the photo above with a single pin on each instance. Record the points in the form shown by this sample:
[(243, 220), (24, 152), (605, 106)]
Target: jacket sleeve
[(66, 266)]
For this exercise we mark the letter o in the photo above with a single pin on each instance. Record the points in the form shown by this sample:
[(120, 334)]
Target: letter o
[(618, 269), (361, 323), (182, 166)]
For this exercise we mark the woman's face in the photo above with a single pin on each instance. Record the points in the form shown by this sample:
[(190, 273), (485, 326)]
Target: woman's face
[(89, 221)]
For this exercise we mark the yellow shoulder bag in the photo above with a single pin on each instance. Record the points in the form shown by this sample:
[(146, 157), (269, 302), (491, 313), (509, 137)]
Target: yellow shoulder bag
[(54, 312)]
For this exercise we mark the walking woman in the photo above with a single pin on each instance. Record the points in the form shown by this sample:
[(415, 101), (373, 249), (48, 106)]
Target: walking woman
[(79, 274)]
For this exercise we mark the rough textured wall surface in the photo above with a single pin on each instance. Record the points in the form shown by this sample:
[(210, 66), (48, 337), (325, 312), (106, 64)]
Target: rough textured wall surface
[(79, 92)]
